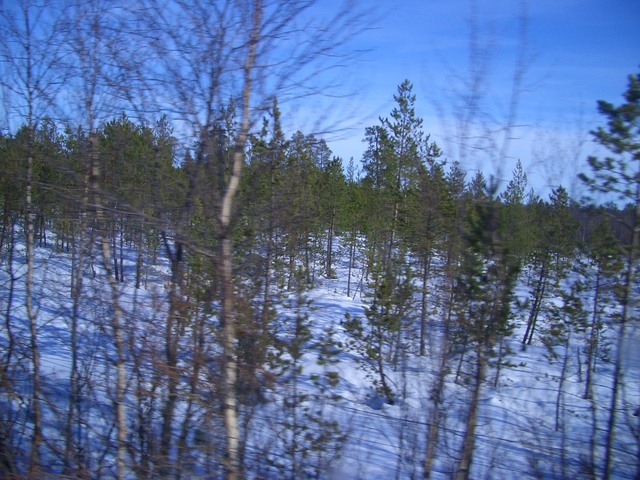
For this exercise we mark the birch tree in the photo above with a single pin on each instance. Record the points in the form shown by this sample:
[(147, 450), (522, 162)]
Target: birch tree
[(212, 52), (30, 62)]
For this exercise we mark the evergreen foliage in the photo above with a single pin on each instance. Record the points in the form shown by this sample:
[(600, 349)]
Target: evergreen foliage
[(620, 176)]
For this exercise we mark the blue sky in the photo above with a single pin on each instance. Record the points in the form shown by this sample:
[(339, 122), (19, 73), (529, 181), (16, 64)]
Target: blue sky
[(575, 51)]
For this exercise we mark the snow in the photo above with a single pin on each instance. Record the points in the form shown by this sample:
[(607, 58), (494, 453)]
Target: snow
[(516, 435)]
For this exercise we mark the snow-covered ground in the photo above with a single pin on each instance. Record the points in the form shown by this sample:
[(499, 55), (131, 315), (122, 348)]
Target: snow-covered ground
[(527, 428), (516, 435)]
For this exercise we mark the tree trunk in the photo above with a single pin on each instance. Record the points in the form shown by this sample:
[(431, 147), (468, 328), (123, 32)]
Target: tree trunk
[(194, 381), (627, 297), (266, 300), (593, 338), (139, 262), (229, 334), (437, 396), (116, 322), (329, 262), (436, 417), (379, 346), (121, 378), (74, 461), (145, 405), (5, 222), (593, 439), (13, 278), (501, 353), (465, 341), (307, 257), (266, 297), (537, 302), (291, 270), (352, 255), (563, 376), (464, 466), (114, 249), (426, 267), (392, 237), (36, 438), (122, 226), (171, 359)]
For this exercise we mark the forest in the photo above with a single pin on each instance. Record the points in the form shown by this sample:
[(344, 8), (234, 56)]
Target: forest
[(188, 291)]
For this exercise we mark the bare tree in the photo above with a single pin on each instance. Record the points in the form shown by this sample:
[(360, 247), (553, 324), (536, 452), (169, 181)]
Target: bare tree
[(476, 130), (30, 82), (214, 52), (202, 56), (96, 70)]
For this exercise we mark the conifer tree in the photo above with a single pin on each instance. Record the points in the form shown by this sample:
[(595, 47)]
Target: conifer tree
[(332, 196), (262, 224), (554, 248), (378, 338), (619, 177), (391, 164), (353, 217), (486, 284), (453, 212), (308, 437), (425, 231), (514, 213), (603, 251), (301, 210), (377, 184)]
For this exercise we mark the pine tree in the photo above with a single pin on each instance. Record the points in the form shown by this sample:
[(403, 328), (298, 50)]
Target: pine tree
[(619, 177), (391, 163), (453, 212), (378, 339), (554, 248), (605, 260), (331, 197), (308, 437), (301, 210), (486, 283), (515, 214), (352, 219)]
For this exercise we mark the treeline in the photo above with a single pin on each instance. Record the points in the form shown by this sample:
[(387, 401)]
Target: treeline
[(438, 252), (296, 196)]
